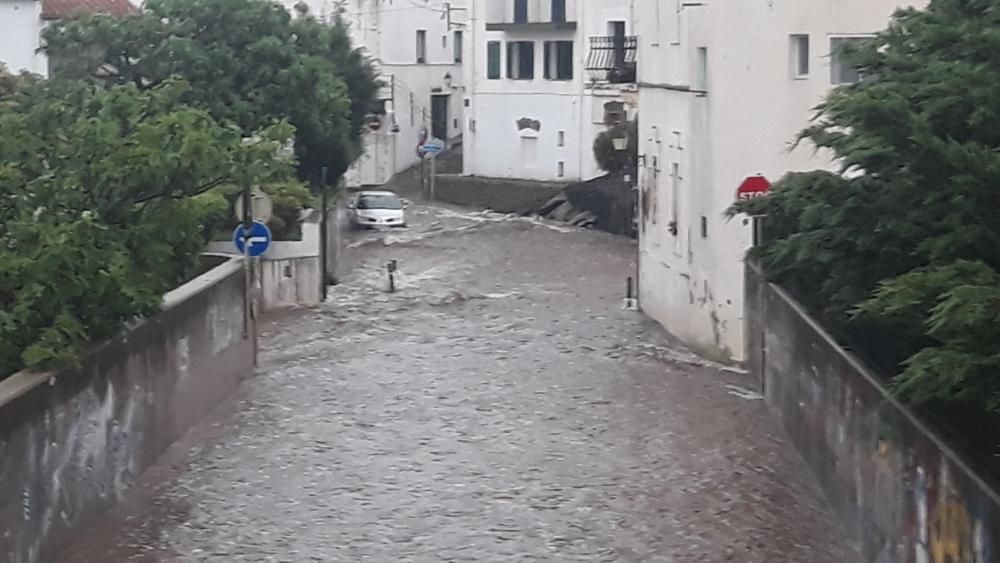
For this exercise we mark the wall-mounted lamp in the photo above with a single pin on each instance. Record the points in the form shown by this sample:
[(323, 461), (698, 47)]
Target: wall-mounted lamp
[(447, 80)]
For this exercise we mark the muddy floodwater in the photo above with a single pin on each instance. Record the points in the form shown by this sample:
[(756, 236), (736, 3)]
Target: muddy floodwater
[(500, 406)]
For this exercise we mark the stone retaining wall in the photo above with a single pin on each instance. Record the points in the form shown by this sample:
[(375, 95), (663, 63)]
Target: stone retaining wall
[(900, 489), (73, 442)]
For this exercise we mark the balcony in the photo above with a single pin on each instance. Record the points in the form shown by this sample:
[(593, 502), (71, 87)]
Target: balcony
[(612, 58), (528, 15)]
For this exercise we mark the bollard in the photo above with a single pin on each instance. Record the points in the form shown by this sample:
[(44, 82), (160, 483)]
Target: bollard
[(390, 269), (630, 302)]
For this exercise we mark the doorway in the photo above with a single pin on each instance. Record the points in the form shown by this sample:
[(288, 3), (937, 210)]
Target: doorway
[(439, 116)]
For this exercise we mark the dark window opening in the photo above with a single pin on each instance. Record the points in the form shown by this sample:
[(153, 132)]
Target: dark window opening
[(521, 60), (559, 60), (559, 11), (493, 60), (520, 11)]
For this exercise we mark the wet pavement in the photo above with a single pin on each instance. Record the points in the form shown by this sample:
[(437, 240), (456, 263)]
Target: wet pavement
[(501, 406)]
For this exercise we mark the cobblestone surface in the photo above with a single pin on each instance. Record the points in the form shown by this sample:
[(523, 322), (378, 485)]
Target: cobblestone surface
[(501, 406)]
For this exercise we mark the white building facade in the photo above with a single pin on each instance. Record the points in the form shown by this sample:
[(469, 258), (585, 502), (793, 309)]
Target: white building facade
[(418, 48), (21, 27), (544, 78), (724, 88)]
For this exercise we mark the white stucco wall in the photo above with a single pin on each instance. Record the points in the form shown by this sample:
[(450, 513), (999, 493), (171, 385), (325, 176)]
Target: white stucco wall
[(387, 30), (565, 110), (692, 283), (20, 36)]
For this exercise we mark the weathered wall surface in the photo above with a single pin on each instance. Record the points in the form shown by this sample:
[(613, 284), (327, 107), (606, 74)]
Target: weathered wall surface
[(902, 492), (497, 194), (73, 442)]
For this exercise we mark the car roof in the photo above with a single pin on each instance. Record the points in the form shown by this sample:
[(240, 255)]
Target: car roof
[(376, 192)]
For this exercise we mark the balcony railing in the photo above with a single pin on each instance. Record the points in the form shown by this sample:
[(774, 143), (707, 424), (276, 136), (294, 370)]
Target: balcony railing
[(612, 58), (505, 15)]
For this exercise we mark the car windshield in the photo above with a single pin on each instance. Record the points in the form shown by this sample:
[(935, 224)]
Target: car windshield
[(379, 202)]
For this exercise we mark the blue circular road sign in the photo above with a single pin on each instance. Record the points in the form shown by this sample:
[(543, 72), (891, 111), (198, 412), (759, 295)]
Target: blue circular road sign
[(259, 238)]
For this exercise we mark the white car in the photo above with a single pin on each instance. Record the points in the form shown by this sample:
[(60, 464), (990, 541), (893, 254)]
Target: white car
[(377, 209)]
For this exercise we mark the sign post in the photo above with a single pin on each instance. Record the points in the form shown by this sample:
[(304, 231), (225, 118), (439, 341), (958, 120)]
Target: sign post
[(431, 148), (752, 188), (323, 233)]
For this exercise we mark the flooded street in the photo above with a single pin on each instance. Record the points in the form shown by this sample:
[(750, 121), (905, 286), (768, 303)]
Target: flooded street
[(500, 406)]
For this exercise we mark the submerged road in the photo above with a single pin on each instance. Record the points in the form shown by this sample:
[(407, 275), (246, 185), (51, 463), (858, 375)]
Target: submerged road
[(501, 406)]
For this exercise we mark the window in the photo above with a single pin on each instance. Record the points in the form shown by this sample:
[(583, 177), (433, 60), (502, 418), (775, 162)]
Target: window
[(799, 50), (493, 60), (520, 11), (561, 169), (559, 11), (421, 46), (616, 30), (561, 139), (457, 46), (559, 60), (840, 71), (521, 60), (701, 70)]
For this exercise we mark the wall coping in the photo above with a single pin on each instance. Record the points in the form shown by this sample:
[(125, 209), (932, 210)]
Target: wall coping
[(22, 382), (869, 376)]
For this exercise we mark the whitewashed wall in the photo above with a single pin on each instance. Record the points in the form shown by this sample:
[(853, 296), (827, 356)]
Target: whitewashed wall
[(20, 36), (692, 283)]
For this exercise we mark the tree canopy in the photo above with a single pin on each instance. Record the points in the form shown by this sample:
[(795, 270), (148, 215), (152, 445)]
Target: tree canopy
[(900, 248), (96, 215), (246, 61), (611, 159)]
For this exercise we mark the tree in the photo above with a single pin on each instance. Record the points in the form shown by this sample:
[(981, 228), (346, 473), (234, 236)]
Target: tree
[(901, 247), (246, 61), (96, 215), (611, 159)]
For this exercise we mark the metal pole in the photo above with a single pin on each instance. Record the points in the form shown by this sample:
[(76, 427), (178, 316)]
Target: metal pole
[(423, 176), (323, 246), (433, 179), (249, 327)]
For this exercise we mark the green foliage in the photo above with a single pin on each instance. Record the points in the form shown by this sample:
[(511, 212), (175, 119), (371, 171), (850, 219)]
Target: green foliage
[(902, 249), (289, 199), (247, 62), (96, 215), (612, 160)]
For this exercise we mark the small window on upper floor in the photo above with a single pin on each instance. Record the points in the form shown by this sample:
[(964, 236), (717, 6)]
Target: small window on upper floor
[(558, 11), (493, 60), (840, 71), (701, 70), (457, 46), (421, 46), (520, 11), (799, 52)]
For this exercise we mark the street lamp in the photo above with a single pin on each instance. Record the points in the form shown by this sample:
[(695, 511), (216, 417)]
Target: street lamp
[(620, 143)]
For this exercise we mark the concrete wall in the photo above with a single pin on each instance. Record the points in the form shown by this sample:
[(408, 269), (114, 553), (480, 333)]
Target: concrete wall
[(288, 275), (707, 126), (902, 492), (73, 442), (20, 36), (500, 195), (569, 112)]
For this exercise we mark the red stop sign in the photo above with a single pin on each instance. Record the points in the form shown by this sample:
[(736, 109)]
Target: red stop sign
[(753, 186)]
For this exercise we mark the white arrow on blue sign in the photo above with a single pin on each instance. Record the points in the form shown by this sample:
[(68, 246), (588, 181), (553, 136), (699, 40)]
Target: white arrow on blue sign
[(432, 147), (260, 238)]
